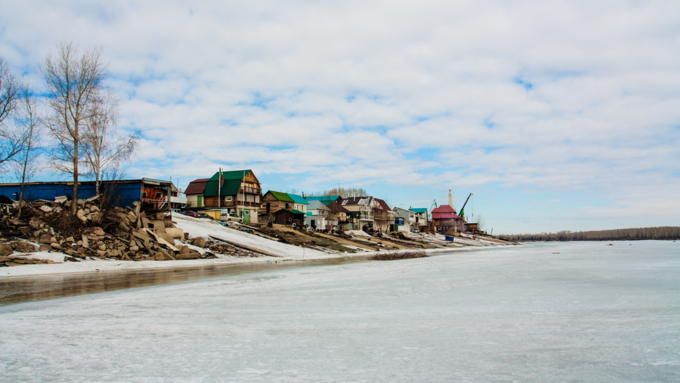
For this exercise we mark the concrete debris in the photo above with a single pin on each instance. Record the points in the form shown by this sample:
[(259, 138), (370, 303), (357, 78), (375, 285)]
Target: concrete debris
[(226, 249), (6, 261), (199, 242), (96, 232), (6, 249)]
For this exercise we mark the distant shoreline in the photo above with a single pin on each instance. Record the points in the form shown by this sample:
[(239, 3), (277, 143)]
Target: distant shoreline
[(661, 233)]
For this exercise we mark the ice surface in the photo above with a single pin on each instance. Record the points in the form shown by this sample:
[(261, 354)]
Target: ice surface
[(590, 313)]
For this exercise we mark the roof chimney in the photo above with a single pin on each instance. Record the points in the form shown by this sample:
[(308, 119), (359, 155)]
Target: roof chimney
[(451, 200)]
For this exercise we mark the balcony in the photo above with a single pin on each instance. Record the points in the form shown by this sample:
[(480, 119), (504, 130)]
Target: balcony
[(240, 203), (181, 200)]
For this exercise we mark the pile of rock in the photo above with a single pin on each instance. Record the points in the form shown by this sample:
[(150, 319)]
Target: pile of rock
[(19, 261), (7, 248), (114, 233)]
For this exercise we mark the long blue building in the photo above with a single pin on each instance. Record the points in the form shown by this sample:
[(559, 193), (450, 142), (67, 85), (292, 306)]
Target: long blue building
[(152, 193)]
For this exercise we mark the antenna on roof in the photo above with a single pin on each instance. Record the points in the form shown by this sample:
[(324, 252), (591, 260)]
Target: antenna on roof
[(219, 190)]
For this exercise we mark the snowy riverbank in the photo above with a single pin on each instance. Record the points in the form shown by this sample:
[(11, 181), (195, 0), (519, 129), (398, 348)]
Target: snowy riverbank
[(196, 228)]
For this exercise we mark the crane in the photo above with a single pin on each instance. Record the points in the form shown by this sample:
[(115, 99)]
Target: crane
[(434, 203), (462, 209)]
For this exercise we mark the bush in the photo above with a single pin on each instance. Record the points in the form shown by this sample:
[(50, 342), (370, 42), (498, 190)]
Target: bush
[(394, 256)]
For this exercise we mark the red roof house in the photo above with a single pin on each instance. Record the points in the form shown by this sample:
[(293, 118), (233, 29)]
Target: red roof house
[(446, 220)]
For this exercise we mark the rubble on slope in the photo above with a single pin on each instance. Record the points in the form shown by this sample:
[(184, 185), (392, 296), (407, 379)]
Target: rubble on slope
[(95, 232)]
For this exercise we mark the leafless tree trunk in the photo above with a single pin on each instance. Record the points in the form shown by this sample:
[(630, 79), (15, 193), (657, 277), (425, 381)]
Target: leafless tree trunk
[(31, 123), (12, 138), (481, 223), (103, 146), (73, 83)]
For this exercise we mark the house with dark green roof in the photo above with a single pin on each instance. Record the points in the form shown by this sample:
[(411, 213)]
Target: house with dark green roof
[(274, 201), (237, 191), (324, 199)]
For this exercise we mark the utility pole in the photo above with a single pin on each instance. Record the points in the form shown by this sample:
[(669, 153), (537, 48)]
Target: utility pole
[(243, 187), (219, 189)]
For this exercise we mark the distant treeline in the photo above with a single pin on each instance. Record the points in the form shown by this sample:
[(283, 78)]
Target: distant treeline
[(662, 232)]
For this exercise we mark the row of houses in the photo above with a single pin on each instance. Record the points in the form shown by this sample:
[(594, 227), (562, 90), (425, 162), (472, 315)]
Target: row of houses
[(240, 194)]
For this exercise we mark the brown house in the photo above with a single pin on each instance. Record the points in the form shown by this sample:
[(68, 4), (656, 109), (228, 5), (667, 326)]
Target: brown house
[(274, 201), (238, 191), (289, 217)]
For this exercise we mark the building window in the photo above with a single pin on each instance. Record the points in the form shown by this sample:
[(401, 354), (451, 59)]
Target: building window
[(228, 199)]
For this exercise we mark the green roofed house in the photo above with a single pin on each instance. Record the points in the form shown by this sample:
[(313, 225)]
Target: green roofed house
[(300, 202), (324, 199), (421, 216), (274, 201), (238, 191)]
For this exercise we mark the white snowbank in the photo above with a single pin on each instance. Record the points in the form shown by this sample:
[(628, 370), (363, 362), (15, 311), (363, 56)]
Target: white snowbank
[(196, 228), (359, 233), (205, 228)]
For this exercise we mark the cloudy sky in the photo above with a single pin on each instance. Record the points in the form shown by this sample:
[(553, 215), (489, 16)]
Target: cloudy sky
[(556, 115)]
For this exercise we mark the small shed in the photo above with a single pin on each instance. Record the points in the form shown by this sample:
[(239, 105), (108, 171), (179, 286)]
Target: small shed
[(289, 217)]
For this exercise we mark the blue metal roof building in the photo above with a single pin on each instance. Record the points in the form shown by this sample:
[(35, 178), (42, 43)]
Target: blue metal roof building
[(121, 192)]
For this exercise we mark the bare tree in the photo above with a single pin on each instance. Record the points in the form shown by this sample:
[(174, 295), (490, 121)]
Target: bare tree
[(9, 94), (103, 145), (73, 84), (31, 122), (12, 138), (345, 192), (481, 223)]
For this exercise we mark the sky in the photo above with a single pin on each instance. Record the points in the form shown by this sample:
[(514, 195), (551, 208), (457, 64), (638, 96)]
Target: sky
[(555, 115)]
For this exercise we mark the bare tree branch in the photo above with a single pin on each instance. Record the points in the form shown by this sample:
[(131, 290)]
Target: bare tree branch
[(31, 121), (73, 85), (104, 147), (12, 137)]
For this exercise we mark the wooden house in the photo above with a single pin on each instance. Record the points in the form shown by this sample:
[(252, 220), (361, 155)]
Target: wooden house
[(274, 201), (238, 191), (383, 216), (289, 217), (339, 213), (360, 212)]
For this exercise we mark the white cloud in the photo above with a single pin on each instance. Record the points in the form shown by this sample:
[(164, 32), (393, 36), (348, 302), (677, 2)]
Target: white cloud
[(559, 96)]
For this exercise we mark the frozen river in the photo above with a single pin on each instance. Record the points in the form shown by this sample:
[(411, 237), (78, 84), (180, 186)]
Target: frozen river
[(547, 312)]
